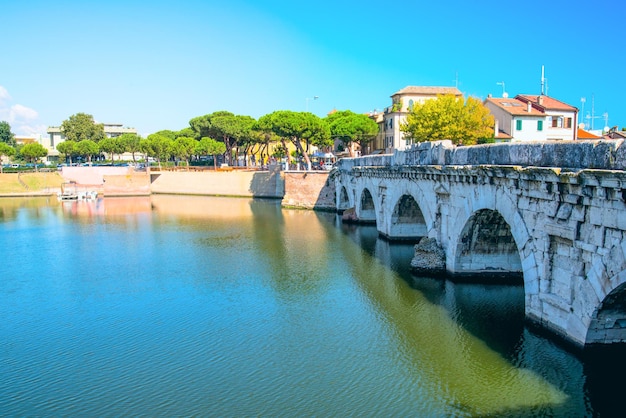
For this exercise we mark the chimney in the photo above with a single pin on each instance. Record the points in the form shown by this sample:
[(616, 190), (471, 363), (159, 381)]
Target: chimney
[(529, 106), (540, 100), (496, 128)]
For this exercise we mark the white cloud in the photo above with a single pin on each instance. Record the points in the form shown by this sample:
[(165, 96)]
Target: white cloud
[(23, 119), (19, 112), (4, 94)]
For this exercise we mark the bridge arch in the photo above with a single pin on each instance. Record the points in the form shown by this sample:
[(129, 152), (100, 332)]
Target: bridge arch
[(497, 200), (606, 317), (407, 219), (367, 207), (486, 246), (344, 201)]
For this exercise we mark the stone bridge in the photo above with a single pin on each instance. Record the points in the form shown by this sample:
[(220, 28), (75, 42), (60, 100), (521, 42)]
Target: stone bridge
[(553, 213)]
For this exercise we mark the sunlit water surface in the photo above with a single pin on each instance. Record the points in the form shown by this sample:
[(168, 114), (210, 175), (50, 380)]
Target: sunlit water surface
[(198, 306)]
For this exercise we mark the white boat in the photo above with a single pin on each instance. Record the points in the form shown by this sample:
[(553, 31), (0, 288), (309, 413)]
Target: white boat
[(70, 192)]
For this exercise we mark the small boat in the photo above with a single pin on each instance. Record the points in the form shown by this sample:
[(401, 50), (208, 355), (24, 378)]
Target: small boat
[(70, 192)]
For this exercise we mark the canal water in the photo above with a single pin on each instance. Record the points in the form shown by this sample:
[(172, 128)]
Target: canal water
[(219, 307)]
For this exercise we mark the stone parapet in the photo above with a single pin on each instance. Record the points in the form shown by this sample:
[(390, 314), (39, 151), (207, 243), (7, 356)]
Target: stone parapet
[(567, 155)]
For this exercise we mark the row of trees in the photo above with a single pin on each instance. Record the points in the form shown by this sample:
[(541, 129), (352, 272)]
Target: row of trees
[(225, 133), (466, 122)]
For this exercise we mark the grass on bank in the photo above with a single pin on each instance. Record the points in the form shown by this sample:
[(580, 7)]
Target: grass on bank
[(30, 182)]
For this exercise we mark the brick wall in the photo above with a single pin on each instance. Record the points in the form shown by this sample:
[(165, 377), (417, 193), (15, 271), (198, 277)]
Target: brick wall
[(311, 190)]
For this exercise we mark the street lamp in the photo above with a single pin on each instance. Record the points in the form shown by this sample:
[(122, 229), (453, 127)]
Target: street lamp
[(307, 101)]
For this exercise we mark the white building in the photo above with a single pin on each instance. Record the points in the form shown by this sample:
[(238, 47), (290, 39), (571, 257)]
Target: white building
[(111, 130), (402, 101), (533, 118)]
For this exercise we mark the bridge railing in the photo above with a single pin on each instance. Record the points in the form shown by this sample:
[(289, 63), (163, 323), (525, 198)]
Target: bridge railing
[(575, 155)]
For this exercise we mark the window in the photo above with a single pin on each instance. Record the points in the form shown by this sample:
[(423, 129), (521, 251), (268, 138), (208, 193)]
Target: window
[(540, 125), (557, 122), (518, 125), (568, 122)]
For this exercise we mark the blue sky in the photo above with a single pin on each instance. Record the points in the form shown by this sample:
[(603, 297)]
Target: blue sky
[(155, 65)]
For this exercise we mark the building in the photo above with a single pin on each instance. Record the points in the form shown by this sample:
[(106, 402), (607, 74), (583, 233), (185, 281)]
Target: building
[(111, 130), (533, 118), (582, 134), (402, 102), (614, 133)]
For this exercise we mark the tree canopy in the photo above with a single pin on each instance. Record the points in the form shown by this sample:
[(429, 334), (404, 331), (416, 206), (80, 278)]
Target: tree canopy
[(233, 130), (158, 146), (67, 148), (298, 128), (209, 146), (132, 143), (33, 152), (82, 126), (464, 122), (184, 147), (87, 148), (6, 136), (5, 150), (350, 127)]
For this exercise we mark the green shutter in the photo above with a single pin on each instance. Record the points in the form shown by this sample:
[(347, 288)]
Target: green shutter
[(518, 125), (540, 125)]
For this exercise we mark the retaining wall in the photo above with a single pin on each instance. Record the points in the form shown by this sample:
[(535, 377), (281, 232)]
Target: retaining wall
[(310, 190)]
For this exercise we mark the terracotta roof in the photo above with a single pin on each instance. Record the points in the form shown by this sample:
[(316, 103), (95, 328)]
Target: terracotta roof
[(515, 107), (428, 90), (503, 135), (548, 103), (582, 134)]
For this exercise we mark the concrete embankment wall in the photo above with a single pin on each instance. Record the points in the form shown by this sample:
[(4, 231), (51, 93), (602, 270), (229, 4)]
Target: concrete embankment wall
[(242, 183), (311, 190)]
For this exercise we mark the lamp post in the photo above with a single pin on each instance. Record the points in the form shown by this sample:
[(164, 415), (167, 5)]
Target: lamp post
[(310, 98)]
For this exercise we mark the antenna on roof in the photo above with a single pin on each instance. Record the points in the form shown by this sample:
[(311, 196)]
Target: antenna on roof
[(504, 93), (544, 83)]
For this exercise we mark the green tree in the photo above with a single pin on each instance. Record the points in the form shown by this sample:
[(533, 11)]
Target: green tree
[(68, 149), (224, 126), (464, 122), (209, 146), (131, 142), (6, 136), (33, 152), (184, 147), (300, 128), (158, 146), (112, 146), (5, 150), (82, 126), (87, 148), (350, 127), (187, 132)]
